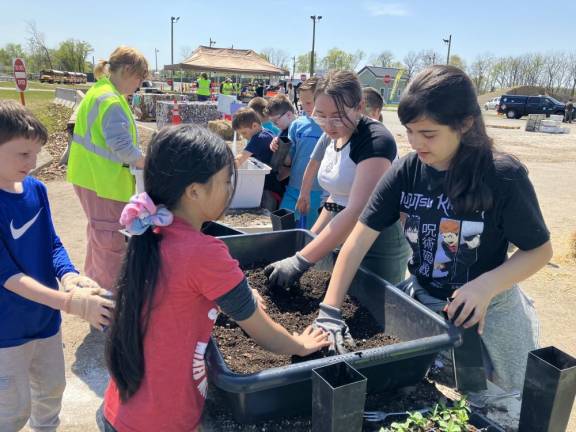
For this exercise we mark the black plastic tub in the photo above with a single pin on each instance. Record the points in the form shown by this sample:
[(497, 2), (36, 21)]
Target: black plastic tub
[(482, 422), (217, 229), (286, 391)]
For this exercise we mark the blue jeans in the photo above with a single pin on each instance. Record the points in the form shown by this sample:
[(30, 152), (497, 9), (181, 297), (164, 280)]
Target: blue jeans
[(289, 203)]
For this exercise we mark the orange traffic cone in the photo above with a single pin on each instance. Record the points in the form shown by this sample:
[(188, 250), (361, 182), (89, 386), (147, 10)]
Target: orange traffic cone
[(176, 119)]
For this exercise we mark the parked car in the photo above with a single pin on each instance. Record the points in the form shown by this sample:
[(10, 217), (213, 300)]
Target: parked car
[(516, 106), (492, 104), (149, 87)]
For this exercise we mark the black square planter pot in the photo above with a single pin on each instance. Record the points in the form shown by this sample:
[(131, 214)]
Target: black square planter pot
[(282, 219), (279, 155), (549, 390), (287, 391), (338, 397), (469, 372)]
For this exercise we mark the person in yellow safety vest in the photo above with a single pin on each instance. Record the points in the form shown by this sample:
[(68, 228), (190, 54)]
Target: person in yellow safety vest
[(227, 87), (103, 149), (203, 91)]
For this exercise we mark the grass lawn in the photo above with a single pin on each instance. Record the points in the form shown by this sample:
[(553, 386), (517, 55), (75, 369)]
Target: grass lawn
[(39, 85), (38, 102)]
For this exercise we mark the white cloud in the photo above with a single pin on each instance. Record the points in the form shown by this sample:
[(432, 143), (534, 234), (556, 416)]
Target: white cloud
[(385, 9)]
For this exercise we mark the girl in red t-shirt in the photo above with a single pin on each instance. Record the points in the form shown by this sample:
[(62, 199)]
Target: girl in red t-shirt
[(173, 280)]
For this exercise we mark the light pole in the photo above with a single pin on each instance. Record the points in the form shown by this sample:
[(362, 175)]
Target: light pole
[(314, 18), (172, 21), (212, 42), (449, 43), (293, 66), (156, 51)]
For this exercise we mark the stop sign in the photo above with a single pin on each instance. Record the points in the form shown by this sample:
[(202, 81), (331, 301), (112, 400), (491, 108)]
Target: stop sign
[(20, 74), (387, 79)]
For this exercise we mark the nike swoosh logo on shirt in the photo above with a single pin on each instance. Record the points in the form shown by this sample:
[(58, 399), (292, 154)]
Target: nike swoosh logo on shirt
[(19, 232)]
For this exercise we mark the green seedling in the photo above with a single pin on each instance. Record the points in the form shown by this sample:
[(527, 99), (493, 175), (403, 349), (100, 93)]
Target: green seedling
[(440, 419)]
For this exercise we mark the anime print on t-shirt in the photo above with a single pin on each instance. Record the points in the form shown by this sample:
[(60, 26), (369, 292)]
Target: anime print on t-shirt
[(443, 248), (411, 231), (457, 250)]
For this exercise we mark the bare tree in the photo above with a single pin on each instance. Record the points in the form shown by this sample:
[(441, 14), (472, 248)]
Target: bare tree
[(533, 65), (480, 72), (411, 64), (357, 58), (572, 72), (384, 59), (37, 42), (277, 57), (186, 51), (562, 72), (550, 70), (428, 58), (499, 71)]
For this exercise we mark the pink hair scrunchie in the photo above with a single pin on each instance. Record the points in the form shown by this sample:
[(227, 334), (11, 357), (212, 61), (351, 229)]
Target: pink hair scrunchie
[(141, 213)]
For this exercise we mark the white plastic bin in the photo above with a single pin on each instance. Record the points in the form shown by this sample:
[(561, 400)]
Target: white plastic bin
[(250, 184)]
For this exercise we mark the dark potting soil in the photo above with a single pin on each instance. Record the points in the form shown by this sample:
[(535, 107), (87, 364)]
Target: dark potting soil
[(295, 310), (246, 217)]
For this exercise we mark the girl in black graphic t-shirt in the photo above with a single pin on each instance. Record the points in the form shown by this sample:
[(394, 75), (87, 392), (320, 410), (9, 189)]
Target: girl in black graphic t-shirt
[(463, 203)]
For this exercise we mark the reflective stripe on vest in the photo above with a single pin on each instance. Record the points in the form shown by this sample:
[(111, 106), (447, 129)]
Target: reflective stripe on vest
[(86, 141)]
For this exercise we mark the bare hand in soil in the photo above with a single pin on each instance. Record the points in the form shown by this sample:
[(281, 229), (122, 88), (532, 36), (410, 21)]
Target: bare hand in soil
[(312, 340), (294, 310)]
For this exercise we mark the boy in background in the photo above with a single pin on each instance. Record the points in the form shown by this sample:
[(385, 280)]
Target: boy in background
[(32, 262), (259, 104), (303, 132), (373, 103), (247, 123)]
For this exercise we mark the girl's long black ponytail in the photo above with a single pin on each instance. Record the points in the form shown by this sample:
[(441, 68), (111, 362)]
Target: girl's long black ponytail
[(178, 156)]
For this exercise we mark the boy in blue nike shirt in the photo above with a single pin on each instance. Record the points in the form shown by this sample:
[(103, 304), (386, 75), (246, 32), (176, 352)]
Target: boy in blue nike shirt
[(32, 261), (304, 133)]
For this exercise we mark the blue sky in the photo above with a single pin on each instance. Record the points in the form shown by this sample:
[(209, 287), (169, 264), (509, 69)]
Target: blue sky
[(399, 26)]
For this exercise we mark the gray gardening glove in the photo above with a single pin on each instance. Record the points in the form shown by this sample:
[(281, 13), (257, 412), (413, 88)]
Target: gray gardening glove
[(286, 272), (330, 319)]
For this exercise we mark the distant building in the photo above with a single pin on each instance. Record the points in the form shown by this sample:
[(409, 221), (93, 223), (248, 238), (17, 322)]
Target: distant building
[(375, 76)]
